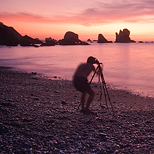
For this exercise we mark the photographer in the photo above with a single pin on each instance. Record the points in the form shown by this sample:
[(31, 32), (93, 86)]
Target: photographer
[(81, 84)]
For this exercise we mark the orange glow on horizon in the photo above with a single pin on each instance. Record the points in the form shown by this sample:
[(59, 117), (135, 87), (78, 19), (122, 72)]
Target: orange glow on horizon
[(88, 20), (57, 32)]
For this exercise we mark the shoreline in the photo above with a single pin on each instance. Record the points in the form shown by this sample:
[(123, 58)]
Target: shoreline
[(135, 78), (110, 85), (40, 115)]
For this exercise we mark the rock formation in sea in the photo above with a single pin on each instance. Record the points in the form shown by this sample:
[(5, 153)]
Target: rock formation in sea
[(28, 41), (102, 39), (71, 38), (89, 40), (123, 36), (9, 36), (49, 42)]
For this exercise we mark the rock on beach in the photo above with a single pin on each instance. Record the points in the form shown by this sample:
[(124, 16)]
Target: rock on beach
[(42, 116)]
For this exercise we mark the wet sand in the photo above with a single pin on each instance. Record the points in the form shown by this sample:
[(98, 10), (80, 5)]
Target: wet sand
[(40, 115)]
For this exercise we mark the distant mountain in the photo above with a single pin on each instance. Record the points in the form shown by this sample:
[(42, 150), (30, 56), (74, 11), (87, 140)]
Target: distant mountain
[(9, 36)]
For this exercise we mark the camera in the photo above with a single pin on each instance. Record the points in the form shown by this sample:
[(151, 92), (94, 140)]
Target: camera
[(96, 61)]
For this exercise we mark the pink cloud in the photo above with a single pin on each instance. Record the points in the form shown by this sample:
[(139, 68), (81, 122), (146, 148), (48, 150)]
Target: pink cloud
[(103, 13)]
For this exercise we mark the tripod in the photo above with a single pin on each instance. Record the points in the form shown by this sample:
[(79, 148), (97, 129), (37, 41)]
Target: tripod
[(106, 94)]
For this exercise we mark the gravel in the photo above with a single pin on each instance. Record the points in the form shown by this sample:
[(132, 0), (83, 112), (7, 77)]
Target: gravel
[(41, 116)]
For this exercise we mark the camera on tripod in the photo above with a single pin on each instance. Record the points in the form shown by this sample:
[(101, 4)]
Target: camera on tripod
[(97, 62), (102, 80)]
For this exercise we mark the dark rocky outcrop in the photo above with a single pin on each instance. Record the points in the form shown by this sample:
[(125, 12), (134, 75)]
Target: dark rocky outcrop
[(9, 36), (123, 36), (102, 39), (70, 38), (89, 40), (28, 41), (49, 42)]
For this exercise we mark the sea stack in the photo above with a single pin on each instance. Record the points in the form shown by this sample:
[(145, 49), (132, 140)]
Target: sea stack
[(123, 36), (102, 39), (71, 38)]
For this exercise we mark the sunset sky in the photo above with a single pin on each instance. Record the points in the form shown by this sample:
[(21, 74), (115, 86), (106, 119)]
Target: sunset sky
[(52, 18)]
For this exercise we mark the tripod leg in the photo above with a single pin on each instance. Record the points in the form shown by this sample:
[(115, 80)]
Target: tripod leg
[(94, 74), (100, 98), (109, 99), (106, 93), (105, 96)]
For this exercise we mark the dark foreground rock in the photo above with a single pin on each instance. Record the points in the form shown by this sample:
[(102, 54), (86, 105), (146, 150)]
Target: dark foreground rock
[(41, 116)]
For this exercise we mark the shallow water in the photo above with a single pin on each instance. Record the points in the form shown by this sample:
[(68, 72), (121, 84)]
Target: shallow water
[(126, 65)]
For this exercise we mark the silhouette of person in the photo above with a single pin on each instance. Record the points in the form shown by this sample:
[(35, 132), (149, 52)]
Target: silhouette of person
[(81, 84)]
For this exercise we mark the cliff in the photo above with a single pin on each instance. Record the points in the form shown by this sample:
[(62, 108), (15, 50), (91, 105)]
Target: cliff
[(9, 36)]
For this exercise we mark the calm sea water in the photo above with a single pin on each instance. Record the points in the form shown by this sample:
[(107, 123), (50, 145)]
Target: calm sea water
[(126, 65)]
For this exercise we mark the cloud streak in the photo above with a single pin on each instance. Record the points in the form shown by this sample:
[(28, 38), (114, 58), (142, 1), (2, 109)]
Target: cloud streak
[(102, 13)]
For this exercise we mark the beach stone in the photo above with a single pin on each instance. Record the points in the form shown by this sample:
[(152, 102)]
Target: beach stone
[(63, 102), (103, 136), (9, 100), (3, 129), (103, 106), (48, 126), (36, 99)]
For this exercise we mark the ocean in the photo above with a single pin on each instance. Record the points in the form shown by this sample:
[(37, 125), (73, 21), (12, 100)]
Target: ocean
[(128, 66)]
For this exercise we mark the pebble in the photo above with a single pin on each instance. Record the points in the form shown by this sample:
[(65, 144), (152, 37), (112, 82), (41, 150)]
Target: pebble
[(103, 136), (36, 120), (63, 102), (36, 99)]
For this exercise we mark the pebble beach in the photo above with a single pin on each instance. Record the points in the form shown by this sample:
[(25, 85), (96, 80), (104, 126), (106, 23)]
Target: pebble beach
[(41, 116)]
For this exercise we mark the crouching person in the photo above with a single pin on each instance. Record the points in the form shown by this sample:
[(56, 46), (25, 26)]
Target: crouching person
[(81, 84)]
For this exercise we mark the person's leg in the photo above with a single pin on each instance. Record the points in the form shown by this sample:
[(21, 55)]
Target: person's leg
[(90, 99), (83, 100)]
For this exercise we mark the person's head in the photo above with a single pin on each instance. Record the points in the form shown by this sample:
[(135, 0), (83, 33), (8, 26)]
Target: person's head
[(92, 60)]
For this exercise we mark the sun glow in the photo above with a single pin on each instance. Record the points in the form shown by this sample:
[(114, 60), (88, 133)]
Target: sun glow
[(55, 18)]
